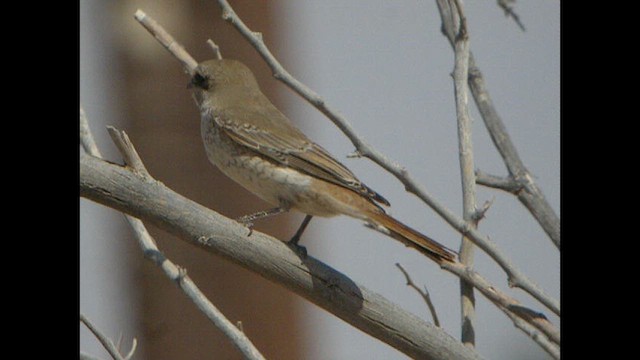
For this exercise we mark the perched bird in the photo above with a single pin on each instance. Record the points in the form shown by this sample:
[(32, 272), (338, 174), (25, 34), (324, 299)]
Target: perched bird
[(254, 144)]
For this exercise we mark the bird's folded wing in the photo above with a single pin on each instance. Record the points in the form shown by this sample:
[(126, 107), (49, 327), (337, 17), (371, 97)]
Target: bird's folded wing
[(289, 146)]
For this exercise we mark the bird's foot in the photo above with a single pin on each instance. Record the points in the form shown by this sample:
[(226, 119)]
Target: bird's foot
[(247, 222)]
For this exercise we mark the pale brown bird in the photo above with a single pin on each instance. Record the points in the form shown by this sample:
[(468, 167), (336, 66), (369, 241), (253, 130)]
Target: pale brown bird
[(254, 144)]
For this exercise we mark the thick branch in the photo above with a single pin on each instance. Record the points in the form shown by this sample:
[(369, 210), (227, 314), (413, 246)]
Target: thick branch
[(148, 199), (516, 278), (151, 251), (171, 270), (530, 196), (151, 201)]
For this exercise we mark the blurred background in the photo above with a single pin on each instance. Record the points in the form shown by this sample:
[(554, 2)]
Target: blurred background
[(386, 67)]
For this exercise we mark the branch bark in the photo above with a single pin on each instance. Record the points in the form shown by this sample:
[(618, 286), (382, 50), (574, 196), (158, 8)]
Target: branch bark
[(151, 251), (148, 199), (467, 174), (509, 305), (516, 277)]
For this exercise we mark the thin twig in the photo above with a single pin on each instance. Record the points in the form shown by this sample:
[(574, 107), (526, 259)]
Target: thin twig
[(167, 41), (482, 212), (506, 183), (215, 48), (128, 152), (507, 6), (515, 276), (465, 154), (104, 340), (86, 140), (85, 356), (424, 294), (134, 344)]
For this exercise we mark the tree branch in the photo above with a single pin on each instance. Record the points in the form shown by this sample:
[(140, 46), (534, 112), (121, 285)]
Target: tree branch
[(506, 303), (174, 272), (106, 342), (150, 200), (498, 182), (85, 356), (467, 174), (530, 196), (424, 293), (188, 63), (516, 277), (507, 7), (151, 251), (548, 346)]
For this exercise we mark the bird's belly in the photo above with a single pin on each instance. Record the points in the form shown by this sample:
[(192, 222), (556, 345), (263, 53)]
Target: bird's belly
[(276, 184)]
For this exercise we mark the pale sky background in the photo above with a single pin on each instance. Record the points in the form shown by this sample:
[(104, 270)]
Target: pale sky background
[(386, 67)]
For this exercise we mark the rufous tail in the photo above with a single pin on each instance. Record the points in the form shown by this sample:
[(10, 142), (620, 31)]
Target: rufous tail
[(410, 237)]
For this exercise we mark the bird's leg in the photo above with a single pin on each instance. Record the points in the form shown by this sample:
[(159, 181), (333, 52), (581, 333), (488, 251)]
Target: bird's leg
[(293, 242), (248, 220)]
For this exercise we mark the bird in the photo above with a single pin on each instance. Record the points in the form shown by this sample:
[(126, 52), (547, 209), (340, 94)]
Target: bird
[(252, 142)]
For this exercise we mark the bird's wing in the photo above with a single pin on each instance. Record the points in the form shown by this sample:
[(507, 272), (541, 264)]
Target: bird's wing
[(289, 146)]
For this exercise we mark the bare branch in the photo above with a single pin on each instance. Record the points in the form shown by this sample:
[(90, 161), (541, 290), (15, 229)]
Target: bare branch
[(424, 294), (167, 41), (128, 152), (531, 196), (548, 346), (151, 251), (134, 345), (507, 6), (215, 48), (481, 213), (504, 302), (507, 183), (465, 154), (117, 187), (104, 340), (516, 277), (85, 356), (510, 306), (86, 139)]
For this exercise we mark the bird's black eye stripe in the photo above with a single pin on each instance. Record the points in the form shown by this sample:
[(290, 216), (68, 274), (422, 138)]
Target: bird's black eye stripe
[(200, 81)]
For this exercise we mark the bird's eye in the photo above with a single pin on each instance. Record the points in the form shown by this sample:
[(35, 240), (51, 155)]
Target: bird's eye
[(200, 81)]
